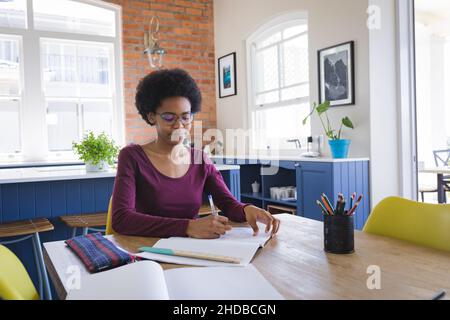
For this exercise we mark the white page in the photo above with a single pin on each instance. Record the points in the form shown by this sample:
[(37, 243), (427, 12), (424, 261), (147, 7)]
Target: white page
[(219, 283), (142, 280), (245, 234), (244, 251), (238, 242)]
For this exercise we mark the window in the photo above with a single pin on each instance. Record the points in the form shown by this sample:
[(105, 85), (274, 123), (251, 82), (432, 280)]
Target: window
[(279, 83), (78, 90), (13, 14), (73, 16), (10, 94), (66, 80)]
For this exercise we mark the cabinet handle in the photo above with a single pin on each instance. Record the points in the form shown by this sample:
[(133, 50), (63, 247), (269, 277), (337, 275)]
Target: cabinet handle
[(297, 165)]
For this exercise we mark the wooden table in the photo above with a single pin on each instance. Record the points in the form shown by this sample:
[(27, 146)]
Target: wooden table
[(440, 172), (296, 265)]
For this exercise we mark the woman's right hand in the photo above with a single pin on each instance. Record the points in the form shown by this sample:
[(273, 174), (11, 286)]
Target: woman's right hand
[(210, 227)]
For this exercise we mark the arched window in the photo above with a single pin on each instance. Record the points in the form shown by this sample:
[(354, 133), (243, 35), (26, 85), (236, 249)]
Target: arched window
[(278, 73)]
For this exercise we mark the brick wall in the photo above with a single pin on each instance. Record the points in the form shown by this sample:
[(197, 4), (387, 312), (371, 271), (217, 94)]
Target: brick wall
[(187, 34)]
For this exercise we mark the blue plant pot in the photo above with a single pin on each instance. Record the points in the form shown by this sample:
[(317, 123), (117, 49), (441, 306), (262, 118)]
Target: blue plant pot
[(339, 148)]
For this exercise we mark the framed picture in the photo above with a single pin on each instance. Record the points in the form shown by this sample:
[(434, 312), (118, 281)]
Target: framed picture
[(337, 74), (227, 75)]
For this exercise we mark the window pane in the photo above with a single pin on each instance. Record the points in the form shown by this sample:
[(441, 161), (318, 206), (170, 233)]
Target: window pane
[(59, 69), (267, 69), (277, 125), (9, 126), (93, 71), (295, 30), (72, 16), (62, 124), (301, 91), (295, 57), (270, 40), (9, 67), (13, 14), (74, 69), (97, 117), (267, 98)]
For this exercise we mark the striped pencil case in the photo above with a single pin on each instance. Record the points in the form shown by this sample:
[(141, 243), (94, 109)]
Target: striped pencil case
[(98, 253)]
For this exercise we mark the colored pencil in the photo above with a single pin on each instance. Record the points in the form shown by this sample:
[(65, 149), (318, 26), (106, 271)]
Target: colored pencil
[(327, 205), (324, 211), (328, 202), (352, 198), (352, 210)]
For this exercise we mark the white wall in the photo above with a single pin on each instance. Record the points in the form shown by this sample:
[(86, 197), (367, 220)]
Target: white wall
[(384, 118), (330, 23), (381, 133)]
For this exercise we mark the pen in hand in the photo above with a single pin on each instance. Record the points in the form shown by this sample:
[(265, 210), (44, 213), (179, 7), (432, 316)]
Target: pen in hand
[(213, 207)]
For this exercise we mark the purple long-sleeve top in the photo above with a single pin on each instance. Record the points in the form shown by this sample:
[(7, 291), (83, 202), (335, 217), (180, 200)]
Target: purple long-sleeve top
[(146, 202)]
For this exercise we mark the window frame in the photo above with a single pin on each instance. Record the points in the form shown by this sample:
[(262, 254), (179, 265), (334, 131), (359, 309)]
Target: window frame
[(34, 143), (266, 30)]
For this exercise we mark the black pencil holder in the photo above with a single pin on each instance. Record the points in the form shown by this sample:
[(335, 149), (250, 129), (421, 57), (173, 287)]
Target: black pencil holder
[(338, 233)]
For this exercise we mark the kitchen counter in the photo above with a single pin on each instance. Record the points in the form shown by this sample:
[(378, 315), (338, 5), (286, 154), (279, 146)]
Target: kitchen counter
[(269, 158), (59, 173)]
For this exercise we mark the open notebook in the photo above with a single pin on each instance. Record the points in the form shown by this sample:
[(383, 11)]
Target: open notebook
[(146, 280), (238, 243)]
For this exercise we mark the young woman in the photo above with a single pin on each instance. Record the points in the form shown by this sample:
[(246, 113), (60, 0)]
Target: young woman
[(159, 186)]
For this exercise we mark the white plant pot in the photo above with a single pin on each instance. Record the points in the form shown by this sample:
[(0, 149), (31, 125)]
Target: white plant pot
[(102, 166)]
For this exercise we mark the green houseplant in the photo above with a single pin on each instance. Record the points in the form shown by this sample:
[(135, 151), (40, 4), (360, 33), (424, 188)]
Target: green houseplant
[(339, 147), (98, 152)]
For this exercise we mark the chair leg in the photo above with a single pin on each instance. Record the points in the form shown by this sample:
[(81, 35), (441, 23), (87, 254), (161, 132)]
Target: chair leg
[(40, 257), (38, 267), (423, 197), (85, 231), (74, 232)]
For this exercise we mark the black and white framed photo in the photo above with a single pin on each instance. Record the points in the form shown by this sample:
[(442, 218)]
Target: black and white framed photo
[(227, 75), (337, 74)]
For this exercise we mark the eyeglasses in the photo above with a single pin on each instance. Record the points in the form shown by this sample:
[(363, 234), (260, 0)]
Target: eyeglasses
[(172, 118)]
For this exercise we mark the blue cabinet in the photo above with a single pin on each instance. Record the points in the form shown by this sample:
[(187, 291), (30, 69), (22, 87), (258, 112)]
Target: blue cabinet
[(312, 178), (331, 178)]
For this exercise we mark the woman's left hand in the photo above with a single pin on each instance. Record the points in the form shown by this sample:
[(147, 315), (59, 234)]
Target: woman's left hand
[(254, 214)]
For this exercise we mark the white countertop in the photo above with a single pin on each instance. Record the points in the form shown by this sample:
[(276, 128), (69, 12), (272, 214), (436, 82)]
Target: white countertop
[(36, 174), (287, 158), (29, 164)]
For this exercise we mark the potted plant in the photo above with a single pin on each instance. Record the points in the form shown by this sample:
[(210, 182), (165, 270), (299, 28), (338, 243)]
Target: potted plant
[(339, 147), (98, 153)]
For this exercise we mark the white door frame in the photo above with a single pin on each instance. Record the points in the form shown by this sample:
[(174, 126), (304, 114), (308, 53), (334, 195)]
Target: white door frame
[(406, 65)]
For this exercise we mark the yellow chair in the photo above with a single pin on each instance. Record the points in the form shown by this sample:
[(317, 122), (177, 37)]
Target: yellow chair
[(109, 229), (420, 223), (15, 283)]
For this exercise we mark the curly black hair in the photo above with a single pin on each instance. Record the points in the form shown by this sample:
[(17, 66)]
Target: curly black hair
[(163, 84)]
